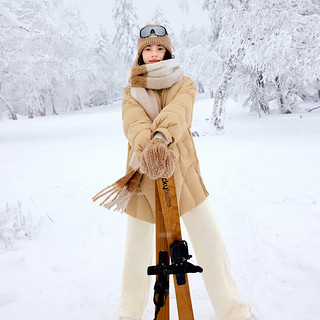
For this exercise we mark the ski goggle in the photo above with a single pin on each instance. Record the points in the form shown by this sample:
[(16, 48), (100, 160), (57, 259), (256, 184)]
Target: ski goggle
[(159, 31)]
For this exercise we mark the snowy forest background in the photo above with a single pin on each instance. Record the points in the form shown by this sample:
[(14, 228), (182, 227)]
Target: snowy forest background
[(256, 67), (266, 52)]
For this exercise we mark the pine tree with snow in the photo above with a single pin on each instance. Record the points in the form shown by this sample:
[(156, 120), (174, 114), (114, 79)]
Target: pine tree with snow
[(159, 18), (109, 75), (127, 30)]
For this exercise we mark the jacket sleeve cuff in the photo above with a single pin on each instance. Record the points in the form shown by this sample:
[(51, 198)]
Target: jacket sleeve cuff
[(160, 135)]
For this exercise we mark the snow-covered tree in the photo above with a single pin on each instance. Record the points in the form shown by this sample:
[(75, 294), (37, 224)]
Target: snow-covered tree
[(218, 11), (110, 76), (184, 6), (272, 42), (49, 61), (126, 30), (202, 65), (159, 18), (11, 31), (215, 10)]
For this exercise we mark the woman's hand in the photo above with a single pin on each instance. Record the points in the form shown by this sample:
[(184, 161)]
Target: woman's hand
[(157, 160)]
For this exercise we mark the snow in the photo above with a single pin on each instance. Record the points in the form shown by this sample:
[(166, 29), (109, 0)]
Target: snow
[(264, 185)]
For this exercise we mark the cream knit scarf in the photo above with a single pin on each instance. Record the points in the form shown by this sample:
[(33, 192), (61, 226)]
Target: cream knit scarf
[(143, 79)]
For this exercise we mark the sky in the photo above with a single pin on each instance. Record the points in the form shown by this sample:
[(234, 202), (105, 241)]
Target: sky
[(96, 12)]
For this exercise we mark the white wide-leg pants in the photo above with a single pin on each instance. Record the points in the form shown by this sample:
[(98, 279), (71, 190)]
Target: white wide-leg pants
[(211, 255)]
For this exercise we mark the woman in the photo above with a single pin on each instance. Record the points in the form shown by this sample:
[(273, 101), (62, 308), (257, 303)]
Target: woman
[(157, 115)]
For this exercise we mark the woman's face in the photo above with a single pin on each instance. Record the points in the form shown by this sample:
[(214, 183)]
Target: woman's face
[(153, 53)]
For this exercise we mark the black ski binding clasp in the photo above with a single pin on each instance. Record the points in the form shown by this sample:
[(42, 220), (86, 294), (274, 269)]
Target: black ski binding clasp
[(179, 254), (161, 287)]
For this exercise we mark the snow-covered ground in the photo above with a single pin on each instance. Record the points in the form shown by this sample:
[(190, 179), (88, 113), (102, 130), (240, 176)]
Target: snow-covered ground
[(264, 182)]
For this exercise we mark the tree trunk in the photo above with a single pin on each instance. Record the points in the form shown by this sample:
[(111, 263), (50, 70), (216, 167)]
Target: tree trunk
[(30, 113), (75, 103), (291, 98), (42, 106), (262, 103), (217, 116), (69, 103), (305, 96), (281, 101), (80, 101), (11, 109), (33, 101), (54, 112), (200, 87)]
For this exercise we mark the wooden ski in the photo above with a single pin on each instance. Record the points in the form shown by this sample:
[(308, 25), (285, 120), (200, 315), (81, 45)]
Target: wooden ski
[(161, 245), (170, 227)]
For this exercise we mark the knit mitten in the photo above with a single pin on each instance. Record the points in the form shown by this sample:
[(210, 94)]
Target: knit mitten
[(157, 160), (171, 163)]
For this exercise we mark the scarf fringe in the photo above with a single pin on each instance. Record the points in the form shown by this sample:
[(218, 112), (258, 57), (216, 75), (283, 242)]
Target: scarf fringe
[(119, 193)]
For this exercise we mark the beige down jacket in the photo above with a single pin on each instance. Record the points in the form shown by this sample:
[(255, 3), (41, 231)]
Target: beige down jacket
[(174, 122)]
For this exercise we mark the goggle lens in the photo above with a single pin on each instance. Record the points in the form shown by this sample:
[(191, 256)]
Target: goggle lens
[(156, 30)]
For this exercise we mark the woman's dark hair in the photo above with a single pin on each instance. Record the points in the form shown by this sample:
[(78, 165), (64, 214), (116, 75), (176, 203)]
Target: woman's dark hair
[(167, 56)]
